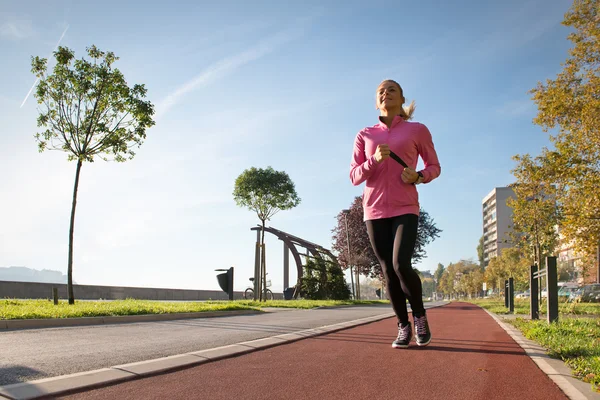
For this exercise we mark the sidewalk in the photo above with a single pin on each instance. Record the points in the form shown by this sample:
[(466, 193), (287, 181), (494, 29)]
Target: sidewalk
[(470, 357)]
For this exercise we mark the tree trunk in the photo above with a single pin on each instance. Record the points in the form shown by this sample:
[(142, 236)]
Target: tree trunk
[(71, 229), (598, 262), (263, 265), (357, 282)]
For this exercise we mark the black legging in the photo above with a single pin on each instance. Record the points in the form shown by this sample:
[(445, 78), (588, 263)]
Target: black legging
[(393, 241)]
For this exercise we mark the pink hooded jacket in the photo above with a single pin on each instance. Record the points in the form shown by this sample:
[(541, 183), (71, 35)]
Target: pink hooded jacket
[(385, 194)]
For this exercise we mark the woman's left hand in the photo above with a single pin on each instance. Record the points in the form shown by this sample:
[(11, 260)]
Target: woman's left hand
[(409, 175)]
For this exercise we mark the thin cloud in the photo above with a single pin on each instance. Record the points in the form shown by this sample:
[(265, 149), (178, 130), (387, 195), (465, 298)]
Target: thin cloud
[(36, 81), (17, 29), (227, 66), (516, 108)]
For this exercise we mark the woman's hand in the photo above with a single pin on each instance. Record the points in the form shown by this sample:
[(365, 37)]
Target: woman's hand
[(382, 152), (409, 175)]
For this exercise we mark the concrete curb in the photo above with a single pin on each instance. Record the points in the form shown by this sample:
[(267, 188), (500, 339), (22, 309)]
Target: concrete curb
[(87, 321), (557, 370), (61, 385)]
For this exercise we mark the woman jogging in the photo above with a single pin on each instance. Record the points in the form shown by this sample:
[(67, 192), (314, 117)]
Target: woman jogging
[(391, 201)]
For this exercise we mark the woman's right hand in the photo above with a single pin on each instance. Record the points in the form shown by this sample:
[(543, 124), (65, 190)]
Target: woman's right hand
[(382, 152)]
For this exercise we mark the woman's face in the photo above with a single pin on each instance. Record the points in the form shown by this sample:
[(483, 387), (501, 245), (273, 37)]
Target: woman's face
[(389, 96)]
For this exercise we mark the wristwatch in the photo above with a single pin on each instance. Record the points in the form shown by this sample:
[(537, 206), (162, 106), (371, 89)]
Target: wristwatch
[(420, 178)]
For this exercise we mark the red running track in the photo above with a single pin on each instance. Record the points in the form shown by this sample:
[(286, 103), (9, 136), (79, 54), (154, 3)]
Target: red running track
[(470, 357)]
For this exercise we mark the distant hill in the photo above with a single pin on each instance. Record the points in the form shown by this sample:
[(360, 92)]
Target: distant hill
[(24, 274)]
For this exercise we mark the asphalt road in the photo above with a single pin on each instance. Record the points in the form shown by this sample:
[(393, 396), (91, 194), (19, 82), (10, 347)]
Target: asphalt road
[(40, 353)]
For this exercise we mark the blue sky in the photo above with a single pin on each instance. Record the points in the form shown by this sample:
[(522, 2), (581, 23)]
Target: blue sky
[(239, 84)]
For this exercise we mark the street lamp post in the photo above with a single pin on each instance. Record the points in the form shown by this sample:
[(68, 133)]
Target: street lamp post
[(346, 212)]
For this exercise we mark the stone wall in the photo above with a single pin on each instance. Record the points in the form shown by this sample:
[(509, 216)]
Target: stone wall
[(33, 290)]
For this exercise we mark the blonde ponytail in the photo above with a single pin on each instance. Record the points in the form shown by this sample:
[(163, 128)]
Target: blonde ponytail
[(408, 111)]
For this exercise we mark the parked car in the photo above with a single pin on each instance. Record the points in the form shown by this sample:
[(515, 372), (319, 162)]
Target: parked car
[(591, 293), (565, 291), (575, 295), (523, 295)]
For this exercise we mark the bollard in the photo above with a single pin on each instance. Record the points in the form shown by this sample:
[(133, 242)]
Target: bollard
[(55, 295), (552, 289), (533, 295), (511, 295), (506, 293)]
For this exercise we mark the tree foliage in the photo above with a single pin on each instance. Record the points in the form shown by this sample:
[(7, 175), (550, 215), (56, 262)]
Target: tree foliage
[(361, 252), (265, 191), (480, 253), (510, 264), (323, 280), (87, 110), (437, 275), (569, 104), (535, 209), (428, 286), (463, 278)]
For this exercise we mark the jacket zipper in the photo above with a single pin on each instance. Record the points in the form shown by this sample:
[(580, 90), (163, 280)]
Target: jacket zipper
[(387, 183)]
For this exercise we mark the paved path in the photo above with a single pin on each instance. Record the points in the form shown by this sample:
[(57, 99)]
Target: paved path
[(42, 353), (470, 357)]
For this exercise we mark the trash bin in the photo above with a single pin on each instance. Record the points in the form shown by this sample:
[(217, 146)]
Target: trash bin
[(288, 293)]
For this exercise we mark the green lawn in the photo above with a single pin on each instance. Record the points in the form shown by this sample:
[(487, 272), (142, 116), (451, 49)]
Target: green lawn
[(32, 309), (575, 340), (522, 307), (307, 304)]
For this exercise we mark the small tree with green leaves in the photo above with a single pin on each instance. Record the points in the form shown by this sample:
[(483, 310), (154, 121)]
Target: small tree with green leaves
[(88, 111), (338, 288), (323, 280), (266, 192)]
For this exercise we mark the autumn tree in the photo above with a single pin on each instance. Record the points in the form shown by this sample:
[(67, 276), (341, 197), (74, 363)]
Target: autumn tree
[(480, 253), (361, 252), (447, 283), (535, 209), (495, 274), (569, 105), (510, 264), (266, 192), (461, 278), (88, 111), (437, 275)]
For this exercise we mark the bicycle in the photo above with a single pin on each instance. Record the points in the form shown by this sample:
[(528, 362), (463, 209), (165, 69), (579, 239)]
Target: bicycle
[(249, 293)]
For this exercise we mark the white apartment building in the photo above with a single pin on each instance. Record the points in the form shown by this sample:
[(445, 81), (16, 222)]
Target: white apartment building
[(497, 220)]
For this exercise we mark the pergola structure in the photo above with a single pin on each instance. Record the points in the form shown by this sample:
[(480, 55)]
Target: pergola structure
[(290, 244)]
